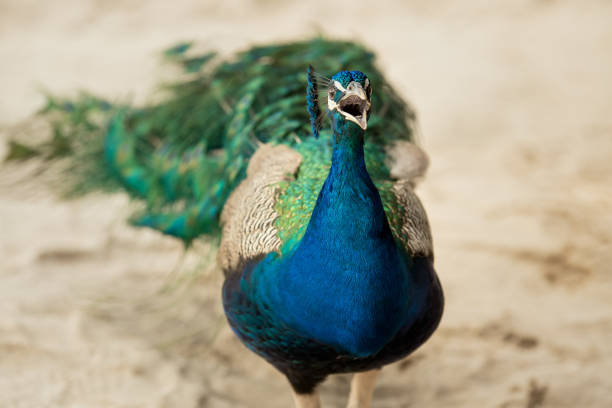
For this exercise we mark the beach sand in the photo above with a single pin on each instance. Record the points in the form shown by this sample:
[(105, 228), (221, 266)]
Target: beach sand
[(515, 112)]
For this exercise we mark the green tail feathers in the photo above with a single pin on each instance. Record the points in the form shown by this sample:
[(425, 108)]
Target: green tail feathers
[(183, 156)]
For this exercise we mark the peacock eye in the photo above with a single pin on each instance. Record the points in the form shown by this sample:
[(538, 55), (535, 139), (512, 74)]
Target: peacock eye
[(332, 92), (369, 92)]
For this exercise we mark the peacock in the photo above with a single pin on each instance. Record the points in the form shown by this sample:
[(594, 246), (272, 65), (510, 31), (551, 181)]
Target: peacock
[(325, 247)]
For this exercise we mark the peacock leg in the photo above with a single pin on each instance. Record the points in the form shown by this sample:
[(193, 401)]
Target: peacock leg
[(362, 387), (307, 400)]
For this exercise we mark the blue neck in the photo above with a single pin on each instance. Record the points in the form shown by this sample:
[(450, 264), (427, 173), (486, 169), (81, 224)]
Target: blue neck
[(346, 283), (349, 210)]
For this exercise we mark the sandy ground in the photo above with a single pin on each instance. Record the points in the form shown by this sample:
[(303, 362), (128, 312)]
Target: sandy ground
[(514, 102)]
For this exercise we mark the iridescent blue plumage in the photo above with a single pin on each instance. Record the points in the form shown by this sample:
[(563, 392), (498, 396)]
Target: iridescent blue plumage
[(346, 77)]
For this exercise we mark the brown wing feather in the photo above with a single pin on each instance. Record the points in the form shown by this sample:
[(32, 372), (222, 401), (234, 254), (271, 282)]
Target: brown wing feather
[(248, 218), (408, 164)]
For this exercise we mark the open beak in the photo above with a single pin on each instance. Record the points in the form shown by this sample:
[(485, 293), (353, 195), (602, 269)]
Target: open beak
[(354, 105)]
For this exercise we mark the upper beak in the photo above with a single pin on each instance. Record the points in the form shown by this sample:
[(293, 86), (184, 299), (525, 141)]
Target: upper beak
[(354, 105)]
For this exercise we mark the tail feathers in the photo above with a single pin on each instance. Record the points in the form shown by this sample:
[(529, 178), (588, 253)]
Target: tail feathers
[(120, 156), (183, 156), (187, 224)]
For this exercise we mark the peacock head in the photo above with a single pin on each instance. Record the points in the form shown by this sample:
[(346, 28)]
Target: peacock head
[(349, 95)]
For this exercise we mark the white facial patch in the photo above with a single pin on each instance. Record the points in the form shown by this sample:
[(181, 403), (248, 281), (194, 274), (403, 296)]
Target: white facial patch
[(339, 86)]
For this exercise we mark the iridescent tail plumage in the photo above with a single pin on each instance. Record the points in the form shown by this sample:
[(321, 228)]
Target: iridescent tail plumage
[(183, 156)]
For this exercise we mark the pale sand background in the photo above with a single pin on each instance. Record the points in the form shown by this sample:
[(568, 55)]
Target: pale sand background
[(515, 102)]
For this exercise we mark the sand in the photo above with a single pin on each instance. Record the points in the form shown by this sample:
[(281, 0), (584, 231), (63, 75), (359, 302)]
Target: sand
[(514, 106)]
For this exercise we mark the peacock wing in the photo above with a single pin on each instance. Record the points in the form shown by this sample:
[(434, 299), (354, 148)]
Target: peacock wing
[(407, 164), (249, 217)]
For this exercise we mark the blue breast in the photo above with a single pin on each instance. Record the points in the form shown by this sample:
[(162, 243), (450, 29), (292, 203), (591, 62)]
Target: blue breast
[(347, 284)]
